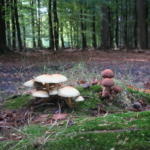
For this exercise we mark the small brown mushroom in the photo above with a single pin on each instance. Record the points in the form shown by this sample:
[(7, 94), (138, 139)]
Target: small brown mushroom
[(107, 73), (116, 89), (107, 83)]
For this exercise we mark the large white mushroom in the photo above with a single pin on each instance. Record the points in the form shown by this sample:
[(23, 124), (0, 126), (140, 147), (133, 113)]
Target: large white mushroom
[(32, 83), (47, 79), (69, 92), (61, 79), (41, 93)]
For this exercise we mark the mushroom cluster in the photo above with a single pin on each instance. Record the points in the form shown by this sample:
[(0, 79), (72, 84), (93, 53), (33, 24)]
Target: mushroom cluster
[(109, 91), (48, 86)]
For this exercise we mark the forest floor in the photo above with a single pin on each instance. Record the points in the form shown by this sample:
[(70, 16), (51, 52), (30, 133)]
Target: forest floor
[(17, 68), (132, 67)]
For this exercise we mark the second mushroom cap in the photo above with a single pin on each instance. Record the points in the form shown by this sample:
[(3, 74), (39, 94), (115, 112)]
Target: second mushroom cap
[(68, 91)]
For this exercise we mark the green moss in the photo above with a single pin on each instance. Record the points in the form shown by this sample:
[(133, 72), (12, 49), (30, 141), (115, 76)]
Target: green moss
[(16, 103), (138, 94), (89, 133), (92, 98)]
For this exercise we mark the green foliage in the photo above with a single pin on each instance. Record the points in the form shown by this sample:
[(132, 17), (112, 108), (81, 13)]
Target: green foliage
[(20, 101)]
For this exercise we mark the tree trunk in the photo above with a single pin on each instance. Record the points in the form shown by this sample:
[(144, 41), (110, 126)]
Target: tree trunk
[(13, 26), (104, 27), (135, 25), (83, 30), (125, 25), (51, 35), (8, 6), (33, 24), (93, 30), (110, 28), (62, 39), (3, 47), (17, 25), (56, 25), (141, 16), (117, 25), (39, 44)]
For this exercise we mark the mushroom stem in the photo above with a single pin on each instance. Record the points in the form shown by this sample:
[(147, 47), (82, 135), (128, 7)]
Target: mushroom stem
[(103, 92), (47, 87), (69, 101)]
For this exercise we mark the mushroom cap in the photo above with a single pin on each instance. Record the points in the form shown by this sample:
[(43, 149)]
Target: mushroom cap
[(79, 98), (46, 78), (68, 91), (40, 93), (60, 77), (106, 94), (29, 83), (53, 92), (107, 73), (117, 89), (107, 82)]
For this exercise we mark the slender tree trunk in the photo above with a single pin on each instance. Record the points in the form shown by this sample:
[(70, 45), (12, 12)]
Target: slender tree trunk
[(2, 28), (51, 35), (125, 25), (93, 30), (110, 22), (117, 25), (39, 25), (104, 27), (8, 24), (62, 39), (33, 23), (135, 24), (141, 15), (24, 33), (17, 26), (13, 25), (56, 25), (147, 38), (83, 30)]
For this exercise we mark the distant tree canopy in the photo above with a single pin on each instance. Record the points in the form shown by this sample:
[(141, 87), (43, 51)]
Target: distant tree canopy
[(56, 24)]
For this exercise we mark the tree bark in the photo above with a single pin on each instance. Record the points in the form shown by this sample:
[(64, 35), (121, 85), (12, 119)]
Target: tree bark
[(56, 25), (117, 25), (83, 30), (33, 24), (8, 33), (141, 16), (135, 25), (51, 35), (17, 26), (104, 27), (62, 39), (39, 44), (13, 25), (93, 30), (125, 25), (2, 28)]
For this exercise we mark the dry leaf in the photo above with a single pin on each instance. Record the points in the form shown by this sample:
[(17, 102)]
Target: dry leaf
[(59, 116), (131, 87), (147, 91)]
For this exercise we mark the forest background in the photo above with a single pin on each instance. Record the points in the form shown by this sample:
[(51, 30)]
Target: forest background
[(56, 24)]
